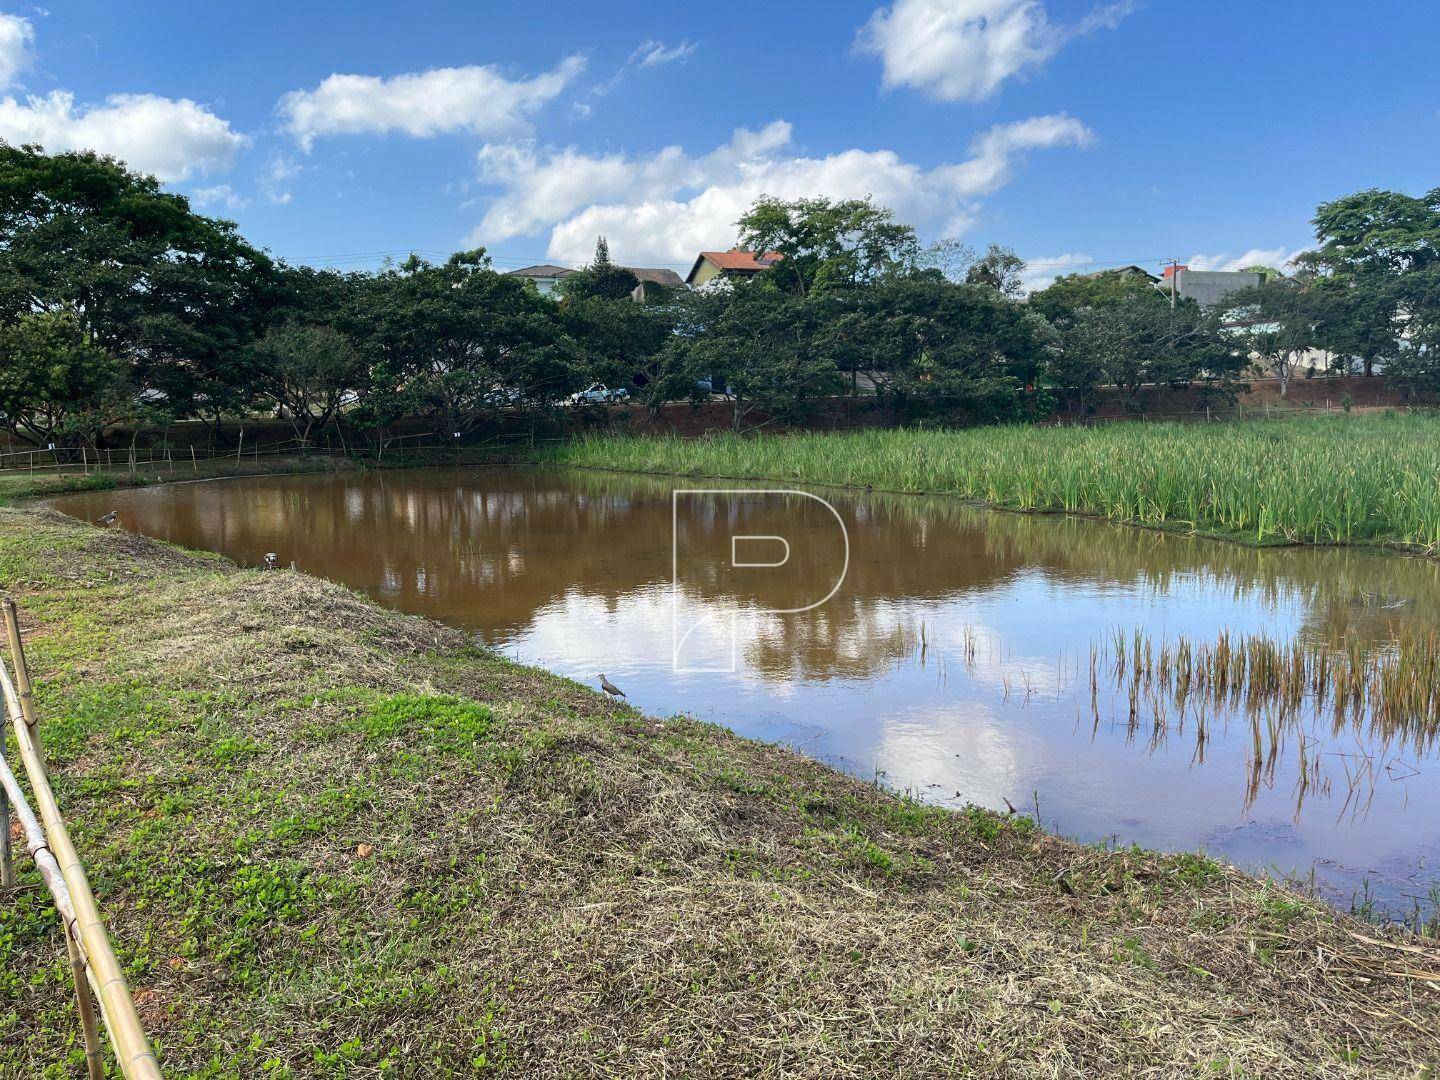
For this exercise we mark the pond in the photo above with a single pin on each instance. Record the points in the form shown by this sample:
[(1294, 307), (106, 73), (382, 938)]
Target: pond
[(960, 654)]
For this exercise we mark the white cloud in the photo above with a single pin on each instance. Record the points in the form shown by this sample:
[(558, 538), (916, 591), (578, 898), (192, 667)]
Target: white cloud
[(1276, 258), (172, 138), (653, 53), (665, 206), (17, 40), (1043, 269), (275, 179), (219, 196), (962, 50), (422, 104)]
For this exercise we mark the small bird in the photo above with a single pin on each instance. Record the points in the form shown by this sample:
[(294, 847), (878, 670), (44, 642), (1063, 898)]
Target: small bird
[(1009, 806), (609, 687), (109, 519), (272, 560)]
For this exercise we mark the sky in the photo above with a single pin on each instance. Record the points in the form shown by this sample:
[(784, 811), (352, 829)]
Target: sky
[(1080, 134)]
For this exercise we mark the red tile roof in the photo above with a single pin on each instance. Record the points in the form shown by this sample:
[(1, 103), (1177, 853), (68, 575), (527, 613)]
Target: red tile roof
[(735, 261)]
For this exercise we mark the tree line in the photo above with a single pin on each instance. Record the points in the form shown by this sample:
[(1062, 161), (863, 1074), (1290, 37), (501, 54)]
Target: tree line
[(122, 307)]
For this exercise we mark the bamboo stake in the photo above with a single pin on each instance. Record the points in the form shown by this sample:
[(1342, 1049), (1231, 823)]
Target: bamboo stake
[(132, 1048), (85, 1006)]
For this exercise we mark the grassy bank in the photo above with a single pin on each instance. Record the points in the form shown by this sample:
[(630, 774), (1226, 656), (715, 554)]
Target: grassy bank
[(1320, 480), (334, 840)]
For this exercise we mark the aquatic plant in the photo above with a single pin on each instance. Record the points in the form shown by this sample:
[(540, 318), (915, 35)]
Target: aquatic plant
[(1319, 480)]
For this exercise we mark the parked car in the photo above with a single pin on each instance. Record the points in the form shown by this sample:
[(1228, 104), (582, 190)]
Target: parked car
[(598, 395)]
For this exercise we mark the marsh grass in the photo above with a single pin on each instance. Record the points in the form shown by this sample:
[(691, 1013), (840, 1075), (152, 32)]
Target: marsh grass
[(1386, 693), (1368, 479)]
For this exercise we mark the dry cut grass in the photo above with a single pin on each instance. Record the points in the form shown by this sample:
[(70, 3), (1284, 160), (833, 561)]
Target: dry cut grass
[(334, 840)]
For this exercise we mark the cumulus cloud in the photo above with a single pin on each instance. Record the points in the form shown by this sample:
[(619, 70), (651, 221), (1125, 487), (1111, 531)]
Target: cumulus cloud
[(1277, 258), (963, 50), (17, 41), (173, 138), (665, 206), (423, 104)]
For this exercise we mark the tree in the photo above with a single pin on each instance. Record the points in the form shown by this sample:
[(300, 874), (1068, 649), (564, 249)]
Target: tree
[(1136, 343), (1374, 231), (57, 384), (457, 341), (601, 280), (309, 372), (1278, 324), (753, 344), (1414, 367), (617, 341), (999, 269), (1071, 293), (824, 244), (174, 295), (928, 345)]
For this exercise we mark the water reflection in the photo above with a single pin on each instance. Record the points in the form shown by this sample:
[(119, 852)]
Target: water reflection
[(955, 659)]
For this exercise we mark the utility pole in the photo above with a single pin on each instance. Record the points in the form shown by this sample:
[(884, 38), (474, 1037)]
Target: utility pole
[(1174, 265)]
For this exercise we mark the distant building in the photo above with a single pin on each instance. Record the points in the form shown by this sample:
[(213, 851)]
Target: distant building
[(655, 283), (1206, 287), (710, 265), (1124, 271), (544, 277), (653, 280)]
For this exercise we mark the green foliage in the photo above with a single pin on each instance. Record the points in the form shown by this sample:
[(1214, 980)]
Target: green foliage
[(56, 383), (601, 280), (754, 344), (1066, 296), (825, 244)]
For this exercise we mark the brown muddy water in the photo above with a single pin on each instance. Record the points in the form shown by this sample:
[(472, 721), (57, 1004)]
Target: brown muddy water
[(964, 656)]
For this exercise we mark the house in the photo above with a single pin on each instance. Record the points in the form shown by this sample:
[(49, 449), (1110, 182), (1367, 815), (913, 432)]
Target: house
[(654, 281), (1206, 287), (710, 265), (545, 277), (1124, 271)]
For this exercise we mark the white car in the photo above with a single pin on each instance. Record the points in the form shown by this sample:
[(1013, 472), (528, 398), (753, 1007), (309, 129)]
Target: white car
[(598, 395)]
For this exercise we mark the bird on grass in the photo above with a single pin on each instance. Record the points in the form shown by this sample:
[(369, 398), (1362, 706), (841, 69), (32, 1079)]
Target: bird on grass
[(609, 687), (272, 561), (109, 519)]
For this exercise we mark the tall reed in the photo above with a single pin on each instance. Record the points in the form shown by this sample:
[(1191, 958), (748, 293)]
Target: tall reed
[(1320, 480)]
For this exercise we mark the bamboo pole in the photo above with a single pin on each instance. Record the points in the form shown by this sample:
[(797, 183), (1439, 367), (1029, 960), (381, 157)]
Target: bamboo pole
[(60, 893), (127, 1036), (85, 1006), (22, 674)]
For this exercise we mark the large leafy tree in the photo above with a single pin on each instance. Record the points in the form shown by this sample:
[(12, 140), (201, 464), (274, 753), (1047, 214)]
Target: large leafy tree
[(57, 384), (755, 345), (1374, 231), (457, 341), (1136, 343), (828, 244), (171, 293), (929, 345), (1072, 293), (1278, 321), (999, 269)]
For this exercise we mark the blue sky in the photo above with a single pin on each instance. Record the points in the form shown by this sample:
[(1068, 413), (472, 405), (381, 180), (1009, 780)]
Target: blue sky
[(1080, 134)]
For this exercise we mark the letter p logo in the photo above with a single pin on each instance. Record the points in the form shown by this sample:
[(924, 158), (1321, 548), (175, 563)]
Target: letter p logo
[(747, 554)]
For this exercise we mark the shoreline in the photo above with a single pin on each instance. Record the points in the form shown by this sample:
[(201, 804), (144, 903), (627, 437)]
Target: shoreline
[(285, 792)]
